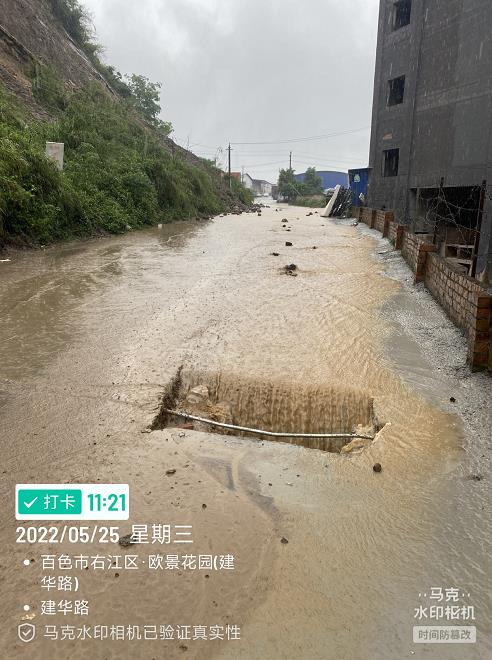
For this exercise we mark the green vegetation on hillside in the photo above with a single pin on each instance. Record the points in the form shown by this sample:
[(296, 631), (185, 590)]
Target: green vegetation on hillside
[(118, 173), (120, 170)]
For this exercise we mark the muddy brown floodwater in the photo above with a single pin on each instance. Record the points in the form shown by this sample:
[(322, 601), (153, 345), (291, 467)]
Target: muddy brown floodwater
[(91, 335)]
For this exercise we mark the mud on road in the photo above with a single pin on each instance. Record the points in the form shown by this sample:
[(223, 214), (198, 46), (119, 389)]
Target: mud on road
[(93, 333)]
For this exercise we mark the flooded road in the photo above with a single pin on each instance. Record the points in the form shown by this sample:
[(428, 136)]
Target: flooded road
[(91, 335)]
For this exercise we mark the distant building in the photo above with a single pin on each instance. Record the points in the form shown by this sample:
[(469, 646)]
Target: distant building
[(432, 122), (263, 187), (258, 186), (248, 181), (329, 178)]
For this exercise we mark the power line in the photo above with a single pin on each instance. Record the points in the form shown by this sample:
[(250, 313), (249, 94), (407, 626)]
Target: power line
[(306, 139)]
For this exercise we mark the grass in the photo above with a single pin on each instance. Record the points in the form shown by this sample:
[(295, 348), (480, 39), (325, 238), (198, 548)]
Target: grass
[(313, 202)]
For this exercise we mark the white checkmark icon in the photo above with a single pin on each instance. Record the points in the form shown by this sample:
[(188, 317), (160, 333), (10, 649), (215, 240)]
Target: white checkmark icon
[(28, 505)]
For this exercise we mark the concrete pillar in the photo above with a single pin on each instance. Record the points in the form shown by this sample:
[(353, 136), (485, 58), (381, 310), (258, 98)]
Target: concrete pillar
[(55, 151)]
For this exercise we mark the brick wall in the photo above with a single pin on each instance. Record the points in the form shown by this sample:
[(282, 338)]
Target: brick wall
[(468, 305), (383, 220), (368, 216), (395, 234), (463, 298), (414, 250)]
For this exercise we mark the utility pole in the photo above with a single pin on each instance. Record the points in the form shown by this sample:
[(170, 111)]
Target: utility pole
[(230, 177), (290, 161)]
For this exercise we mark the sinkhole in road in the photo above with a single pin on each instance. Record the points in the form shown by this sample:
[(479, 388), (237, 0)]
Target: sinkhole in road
[(270, 406)]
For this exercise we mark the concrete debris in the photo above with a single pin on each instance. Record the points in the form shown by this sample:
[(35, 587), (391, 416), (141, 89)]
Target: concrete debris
[(291, 270), (126, 541), (355, 446), (198, 394)]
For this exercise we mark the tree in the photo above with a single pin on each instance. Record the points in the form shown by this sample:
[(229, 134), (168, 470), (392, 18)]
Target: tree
[(146, 96), (312, 183), (287, 185)]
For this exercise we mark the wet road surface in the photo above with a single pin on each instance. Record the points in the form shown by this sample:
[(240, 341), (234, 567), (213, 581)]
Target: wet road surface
[(92, 333)]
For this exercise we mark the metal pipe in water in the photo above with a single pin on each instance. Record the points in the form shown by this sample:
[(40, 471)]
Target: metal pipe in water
[(270, 434)]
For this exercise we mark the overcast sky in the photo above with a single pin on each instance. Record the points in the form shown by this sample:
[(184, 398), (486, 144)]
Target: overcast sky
[(253, 71)]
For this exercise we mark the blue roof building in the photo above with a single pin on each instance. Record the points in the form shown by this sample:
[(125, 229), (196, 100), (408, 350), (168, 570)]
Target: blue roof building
[(329, 178)]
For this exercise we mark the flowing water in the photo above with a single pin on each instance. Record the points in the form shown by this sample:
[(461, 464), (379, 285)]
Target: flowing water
[(93, 333)]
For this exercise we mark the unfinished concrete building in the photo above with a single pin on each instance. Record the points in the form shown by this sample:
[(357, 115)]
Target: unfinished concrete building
[(431, 147)]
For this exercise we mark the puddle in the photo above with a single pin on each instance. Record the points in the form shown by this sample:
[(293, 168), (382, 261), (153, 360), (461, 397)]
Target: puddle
[(274, 407)]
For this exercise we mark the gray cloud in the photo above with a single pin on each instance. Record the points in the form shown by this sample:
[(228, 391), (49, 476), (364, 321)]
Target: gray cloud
[(253, 71)]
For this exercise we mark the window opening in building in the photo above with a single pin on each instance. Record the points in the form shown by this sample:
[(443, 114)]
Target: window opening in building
[(396, 91), (451, 217), (402, 11), (391, 158)]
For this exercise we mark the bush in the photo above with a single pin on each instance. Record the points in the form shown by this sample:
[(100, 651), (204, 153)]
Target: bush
[(47, 88), (241, 192), (76, 22), (313, 202)]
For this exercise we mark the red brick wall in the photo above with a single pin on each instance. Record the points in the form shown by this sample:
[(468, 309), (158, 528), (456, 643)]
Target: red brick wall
[(468, 305), (382, 221), (463, 298), (368, 216), (414, 250), (395, 234)]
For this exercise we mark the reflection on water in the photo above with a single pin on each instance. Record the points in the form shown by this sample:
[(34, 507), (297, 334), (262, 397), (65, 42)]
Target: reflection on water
[(42, 293)]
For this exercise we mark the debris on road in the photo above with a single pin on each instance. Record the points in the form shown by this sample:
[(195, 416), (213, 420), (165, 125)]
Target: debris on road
[(126, 541), (377, 467), (288, 244), (291, 270), (356, 445)]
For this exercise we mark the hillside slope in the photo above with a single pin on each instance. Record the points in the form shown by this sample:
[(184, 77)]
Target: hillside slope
[(121, 171)]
